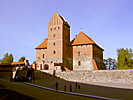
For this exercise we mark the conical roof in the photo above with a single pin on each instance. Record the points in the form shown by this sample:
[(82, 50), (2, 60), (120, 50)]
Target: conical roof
[(43, 45)]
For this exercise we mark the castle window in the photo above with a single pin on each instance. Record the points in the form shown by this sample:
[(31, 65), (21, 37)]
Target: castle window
[(54, 52), (79, 63), (54, 43), (58, 27), (79, 53), (51, 62), (51, 28), (54, 36), (43, 55), (54, 28)]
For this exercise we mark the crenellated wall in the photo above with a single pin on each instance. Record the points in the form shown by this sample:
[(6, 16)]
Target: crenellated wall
[(113, 76)]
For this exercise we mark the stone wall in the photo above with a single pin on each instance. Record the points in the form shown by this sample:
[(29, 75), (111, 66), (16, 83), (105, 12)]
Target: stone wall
[(85, 63), (113, 76), (40, 75)]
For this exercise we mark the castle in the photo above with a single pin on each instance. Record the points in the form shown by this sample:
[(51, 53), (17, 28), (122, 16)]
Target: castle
[(58, 53)]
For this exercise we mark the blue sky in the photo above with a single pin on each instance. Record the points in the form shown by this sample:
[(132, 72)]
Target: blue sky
[(24, 24)]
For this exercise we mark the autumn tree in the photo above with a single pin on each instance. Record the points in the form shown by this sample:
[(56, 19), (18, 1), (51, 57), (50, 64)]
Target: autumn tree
[(8, 58), (125, 58), (22, 59)]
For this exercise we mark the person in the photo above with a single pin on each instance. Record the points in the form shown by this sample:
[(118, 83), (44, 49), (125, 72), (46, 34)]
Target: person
[(76, 84), (64, 87), (56, 86), (11, 77), (70, 88)]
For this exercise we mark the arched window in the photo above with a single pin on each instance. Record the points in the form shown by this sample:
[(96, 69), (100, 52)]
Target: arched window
[(79, 63), (43, 56), (46, 67), (54, 36), (79, 53)]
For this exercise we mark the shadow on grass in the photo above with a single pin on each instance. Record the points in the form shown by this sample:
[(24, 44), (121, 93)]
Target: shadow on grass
[(6, 94)]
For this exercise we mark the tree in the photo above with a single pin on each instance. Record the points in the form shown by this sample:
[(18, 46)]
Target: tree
[(125, 58), (110, 63), (7, 58), (34, 62), (22, 59)]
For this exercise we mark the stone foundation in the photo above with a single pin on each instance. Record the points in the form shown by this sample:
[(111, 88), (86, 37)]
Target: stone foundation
[(113, 76), (86, 63)]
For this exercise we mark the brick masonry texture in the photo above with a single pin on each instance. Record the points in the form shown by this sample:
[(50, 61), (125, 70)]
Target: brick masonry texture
[(112, 76), (82, 53)]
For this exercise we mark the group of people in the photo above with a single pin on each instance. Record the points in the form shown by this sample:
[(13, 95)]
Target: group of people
[(23, 75), (70, 86)]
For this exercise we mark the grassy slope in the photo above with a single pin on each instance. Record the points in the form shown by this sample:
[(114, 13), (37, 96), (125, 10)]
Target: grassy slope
[(38, 93), (125, 94)]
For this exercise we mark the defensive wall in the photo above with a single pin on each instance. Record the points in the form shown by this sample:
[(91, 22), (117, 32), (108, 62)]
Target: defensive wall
[(108, 76), (113, 76)]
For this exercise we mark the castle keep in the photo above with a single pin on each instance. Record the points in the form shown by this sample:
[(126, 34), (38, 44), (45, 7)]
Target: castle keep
[(58, 53)]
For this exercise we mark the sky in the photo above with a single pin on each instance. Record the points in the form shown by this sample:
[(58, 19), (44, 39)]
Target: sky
[(24, 24)]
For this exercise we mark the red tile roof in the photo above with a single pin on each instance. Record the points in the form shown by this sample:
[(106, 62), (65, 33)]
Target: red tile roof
[(17, 63), (82, 39), (13, 63), (43, 45), (94, 64)]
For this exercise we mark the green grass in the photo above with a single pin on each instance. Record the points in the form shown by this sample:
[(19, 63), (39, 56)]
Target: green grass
[(125, 94), (49, 81), (37, 93)]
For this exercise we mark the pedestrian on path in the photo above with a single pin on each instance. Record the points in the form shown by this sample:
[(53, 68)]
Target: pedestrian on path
[(76, 85), (70, 88), (56, 86), (64, 87)]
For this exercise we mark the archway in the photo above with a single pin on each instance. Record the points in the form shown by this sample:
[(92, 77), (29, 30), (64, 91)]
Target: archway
[(46, 67)]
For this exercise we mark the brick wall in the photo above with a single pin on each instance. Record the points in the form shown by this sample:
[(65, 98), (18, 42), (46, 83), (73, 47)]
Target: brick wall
[(82, 61), (39, 55), (98, 56)]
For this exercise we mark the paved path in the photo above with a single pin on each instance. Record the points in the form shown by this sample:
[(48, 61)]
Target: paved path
[(71, 93), (114, 85)]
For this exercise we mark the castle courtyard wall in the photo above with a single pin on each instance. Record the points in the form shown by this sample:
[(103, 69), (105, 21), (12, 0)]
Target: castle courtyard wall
[(113, 76)]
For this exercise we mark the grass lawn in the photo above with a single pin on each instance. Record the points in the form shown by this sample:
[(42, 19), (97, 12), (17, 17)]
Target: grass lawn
[(117, 93), (37, 93)]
